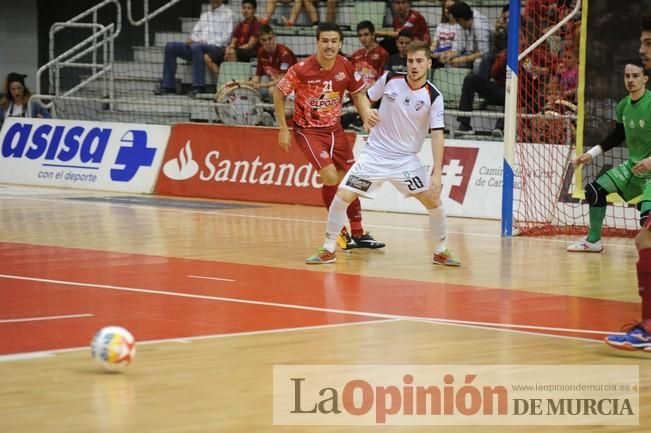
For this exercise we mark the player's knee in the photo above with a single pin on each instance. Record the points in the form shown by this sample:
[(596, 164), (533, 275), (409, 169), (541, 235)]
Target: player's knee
[(643, 239), (595, 195), (330, 179)]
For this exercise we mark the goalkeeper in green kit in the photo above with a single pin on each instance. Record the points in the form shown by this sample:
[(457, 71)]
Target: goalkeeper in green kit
[(633, 176)]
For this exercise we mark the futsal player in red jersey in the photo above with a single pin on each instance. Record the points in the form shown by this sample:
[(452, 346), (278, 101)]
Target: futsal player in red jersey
[(319, 83)]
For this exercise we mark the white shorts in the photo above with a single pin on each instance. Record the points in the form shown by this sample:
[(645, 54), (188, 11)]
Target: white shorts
[(408, 175)]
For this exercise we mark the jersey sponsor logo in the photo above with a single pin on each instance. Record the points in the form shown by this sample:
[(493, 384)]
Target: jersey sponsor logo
[(391, 97), (78, 146), (406, 101), (458, 164), (419, 105), (313, 81), (358, 183), (329, 101)]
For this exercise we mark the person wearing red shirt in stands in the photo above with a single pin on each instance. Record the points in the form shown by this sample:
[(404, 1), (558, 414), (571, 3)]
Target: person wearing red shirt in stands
[(244, 40), (369, 61), (404, 17), (273, 60), (319, 83)]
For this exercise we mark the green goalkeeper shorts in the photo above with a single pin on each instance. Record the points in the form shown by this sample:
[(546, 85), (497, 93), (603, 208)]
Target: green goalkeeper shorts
[(621, 180)]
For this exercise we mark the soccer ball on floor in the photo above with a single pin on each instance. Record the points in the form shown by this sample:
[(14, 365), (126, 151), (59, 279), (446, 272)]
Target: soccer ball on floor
[(113, 347)]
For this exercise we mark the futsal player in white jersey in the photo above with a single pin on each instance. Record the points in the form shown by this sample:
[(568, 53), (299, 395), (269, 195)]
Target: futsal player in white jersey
[(411, 107)]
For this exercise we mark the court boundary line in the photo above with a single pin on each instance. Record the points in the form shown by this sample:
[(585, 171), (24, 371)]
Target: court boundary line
[(492, 325), (41, 318), (221, 213), (23, 356)]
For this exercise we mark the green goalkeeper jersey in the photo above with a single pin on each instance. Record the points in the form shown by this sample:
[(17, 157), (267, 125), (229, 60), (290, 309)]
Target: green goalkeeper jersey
[(636, 118)]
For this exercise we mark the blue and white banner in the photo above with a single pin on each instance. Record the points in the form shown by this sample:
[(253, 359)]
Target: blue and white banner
[(86, 155)]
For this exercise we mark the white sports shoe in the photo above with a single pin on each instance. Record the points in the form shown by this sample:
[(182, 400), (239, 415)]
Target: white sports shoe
[(584, 246)]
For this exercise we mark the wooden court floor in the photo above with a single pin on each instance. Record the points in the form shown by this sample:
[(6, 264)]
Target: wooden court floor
[(216, 294)]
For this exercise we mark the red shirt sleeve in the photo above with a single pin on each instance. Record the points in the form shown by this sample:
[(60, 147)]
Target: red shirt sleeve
[(290, 80)]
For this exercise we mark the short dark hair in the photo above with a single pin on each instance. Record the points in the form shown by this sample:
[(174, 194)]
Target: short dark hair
[(365, 25), (461, 11), (638, 63), (645, 25), (406, 33), (265, 29), (417, 45), (329, 27), (252, 3)]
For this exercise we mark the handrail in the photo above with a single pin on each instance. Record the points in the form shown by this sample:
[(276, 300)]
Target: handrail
[(102, 37), (147, 15)]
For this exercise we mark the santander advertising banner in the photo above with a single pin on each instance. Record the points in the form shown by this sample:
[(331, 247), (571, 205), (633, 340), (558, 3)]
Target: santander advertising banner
[(236, 163)]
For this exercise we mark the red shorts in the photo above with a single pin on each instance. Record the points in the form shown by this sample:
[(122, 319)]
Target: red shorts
[(325, 146)]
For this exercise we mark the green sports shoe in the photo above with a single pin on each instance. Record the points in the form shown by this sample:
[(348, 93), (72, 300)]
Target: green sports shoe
[(321, 256), (445, 258)]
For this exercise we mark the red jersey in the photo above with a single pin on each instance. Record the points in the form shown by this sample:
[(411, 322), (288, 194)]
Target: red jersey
[(244, 30), (370, 64), (276, 63), (319, 91), (416, 23)]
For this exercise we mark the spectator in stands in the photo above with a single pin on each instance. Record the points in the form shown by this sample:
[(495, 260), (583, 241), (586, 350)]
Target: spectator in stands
[(369, 60), (297, 6), (244, 43), (398, 62), (404, 17), (447, 36), (331, 11), (273, 62), (476, 37), (568, 74), (15, 102), (492, 90), (210, 36)]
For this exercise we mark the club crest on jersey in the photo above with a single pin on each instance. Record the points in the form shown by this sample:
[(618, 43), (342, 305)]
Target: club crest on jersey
[(642, 123), (341, 76), (324, 155), (419, 105)]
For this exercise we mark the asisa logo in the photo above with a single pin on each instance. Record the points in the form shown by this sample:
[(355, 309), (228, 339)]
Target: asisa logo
[(78, 146), (183, 167)]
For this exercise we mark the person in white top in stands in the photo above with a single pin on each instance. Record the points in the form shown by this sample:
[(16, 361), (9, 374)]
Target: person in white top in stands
[(210, 36), (448, 33), (411, 107)]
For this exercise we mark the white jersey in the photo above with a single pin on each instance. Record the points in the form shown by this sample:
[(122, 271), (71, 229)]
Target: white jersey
[(406, 116)]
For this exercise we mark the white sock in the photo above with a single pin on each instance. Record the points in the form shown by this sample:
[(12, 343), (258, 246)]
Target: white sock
[(336, 220), (439, 228)]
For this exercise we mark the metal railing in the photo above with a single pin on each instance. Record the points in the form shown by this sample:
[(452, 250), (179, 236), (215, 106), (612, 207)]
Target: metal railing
[(99, 45), (148, 16), (101, 40)]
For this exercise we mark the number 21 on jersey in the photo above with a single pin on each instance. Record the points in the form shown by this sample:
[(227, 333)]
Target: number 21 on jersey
[(327, 86)]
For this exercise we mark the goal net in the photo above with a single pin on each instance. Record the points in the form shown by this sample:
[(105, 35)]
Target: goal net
[(568, 90)]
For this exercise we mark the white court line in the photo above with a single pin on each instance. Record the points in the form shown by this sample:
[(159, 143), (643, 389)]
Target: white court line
[(307, 308), (211, 278), (218, 213), (48, 353), (35, 319)]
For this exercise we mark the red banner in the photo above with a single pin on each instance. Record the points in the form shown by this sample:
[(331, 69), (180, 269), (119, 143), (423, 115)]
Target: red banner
[(236, 163)]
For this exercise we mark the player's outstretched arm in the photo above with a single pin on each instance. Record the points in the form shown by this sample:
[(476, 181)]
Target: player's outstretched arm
[(284, 137), (582, 159), (369, 117)]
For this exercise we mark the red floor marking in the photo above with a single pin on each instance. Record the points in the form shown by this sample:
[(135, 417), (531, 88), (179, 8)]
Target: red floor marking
[(153, 317)]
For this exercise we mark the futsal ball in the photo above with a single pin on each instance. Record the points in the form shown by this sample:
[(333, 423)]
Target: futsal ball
[(113, 347)]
